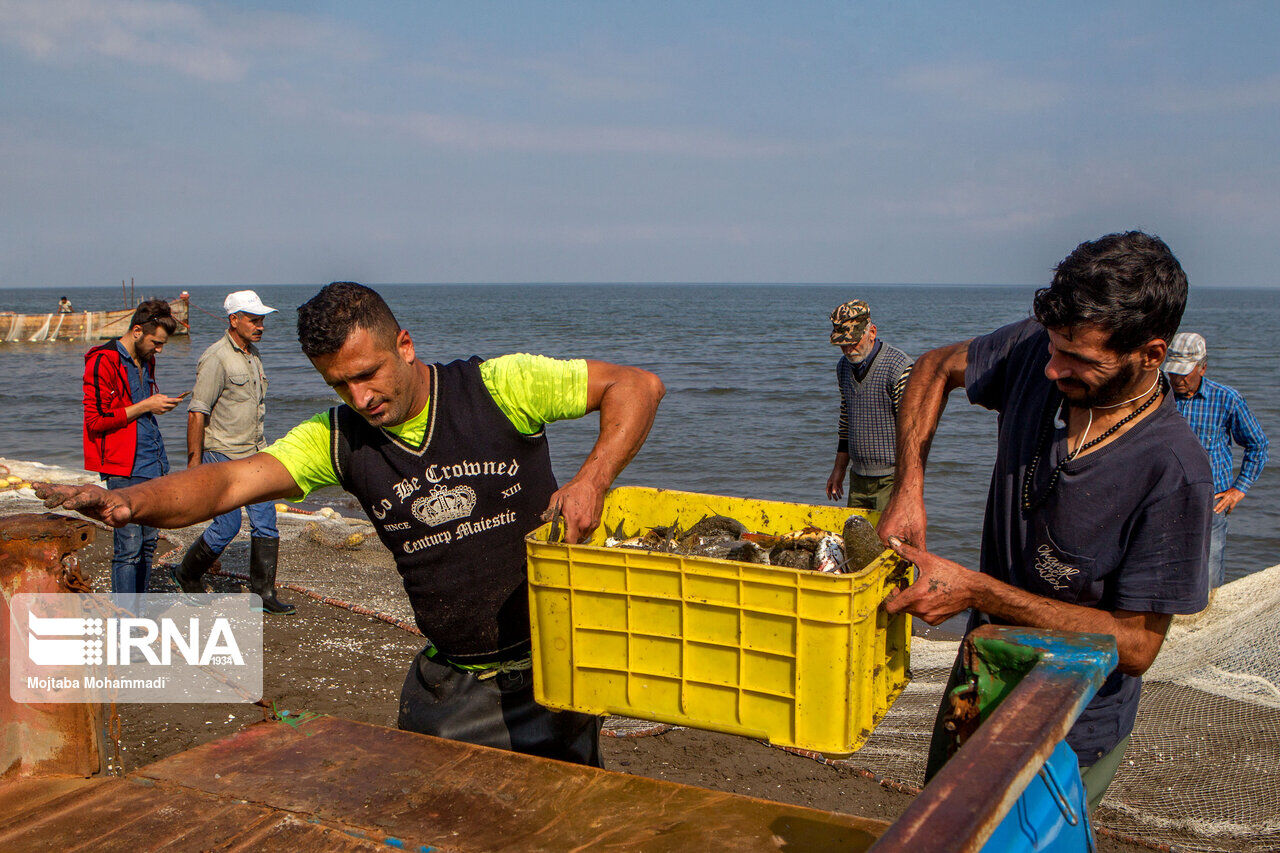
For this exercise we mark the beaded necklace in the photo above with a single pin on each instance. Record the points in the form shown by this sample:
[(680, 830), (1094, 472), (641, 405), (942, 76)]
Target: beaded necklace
[(1042, 445)]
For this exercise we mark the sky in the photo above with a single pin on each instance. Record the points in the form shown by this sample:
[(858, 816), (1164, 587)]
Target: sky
[(190, 143)]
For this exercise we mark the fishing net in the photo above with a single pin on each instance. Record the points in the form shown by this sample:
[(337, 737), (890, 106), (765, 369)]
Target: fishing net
[(628, 727), (1202, 767), (43, 331)]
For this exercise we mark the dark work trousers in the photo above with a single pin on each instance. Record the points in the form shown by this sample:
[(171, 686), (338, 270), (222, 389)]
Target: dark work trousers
[(499, 711), (940, 740)]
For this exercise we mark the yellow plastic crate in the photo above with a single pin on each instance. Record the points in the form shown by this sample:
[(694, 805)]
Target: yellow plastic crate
[(798, 658)]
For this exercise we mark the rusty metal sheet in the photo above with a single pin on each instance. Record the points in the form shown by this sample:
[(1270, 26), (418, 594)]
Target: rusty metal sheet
[(37, 554), (67, 532)]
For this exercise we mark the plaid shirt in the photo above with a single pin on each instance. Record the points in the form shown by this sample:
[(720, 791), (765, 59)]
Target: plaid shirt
[(1219, 415)]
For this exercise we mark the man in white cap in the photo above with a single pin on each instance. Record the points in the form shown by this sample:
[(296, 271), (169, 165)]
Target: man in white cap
[(225, 421), (1218, 415)]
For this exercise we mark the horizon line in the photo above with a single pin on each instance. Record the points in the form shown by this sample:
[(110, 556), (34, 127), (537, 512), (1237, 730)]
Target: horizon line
[(375, 284)]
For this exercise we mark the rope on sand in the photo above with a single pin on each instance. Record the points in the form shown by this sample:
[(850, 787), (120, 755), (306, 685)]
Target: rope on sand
[(217, 569), (615, 727), (331, 600), (847, 764)]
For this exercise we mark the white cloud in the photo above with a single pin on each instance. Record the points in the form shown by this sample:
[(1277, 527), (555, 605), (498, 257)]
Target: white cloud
[(1227, 97), (977, 207), (207, 44), (476, 134), (1239, 201), (585, 75), (1022, 192), (982, 85), (657, 233)]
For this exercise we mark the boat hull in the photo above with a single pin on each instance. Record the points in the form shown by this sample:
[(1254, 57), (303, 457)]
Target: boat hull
[(80, 325)]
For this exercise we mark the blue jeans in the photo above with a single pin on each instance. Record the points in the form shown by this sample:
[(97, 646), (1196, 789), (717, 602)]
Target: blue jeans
[(132, 548), (220, 532), (1218, 550)]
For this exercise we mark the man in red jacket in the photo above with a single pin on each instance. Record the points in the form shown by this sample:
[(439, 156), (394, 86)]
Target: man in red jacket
[(122, 438)]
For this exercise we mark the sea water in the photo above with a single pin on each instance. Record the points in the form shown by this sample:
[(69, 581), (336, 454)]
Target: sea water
[(752, 402)]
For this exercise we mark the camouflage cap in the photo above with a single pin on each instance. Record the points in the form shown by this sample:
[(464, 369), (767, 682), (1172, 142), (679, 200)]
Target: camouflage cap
[(849, 322)]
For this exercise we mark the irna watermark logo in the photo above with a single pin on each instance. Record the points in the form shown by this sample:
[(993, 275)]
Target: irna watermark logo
[(133, 648)]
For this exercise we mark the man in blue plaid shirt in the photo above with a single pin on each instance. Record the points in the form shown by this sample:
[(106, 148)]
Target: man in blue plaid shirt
[(1218, 415)]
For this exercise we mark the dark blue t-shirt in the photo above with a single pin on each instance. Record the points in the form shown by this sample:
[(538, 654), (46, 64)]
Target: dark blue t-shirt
[(149, 459), (1125, 528)]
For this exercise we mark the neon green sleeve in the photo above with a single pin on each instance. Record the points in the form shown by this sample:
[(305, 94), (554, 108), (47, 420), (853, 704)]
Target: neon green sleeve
[(304, 452), (533, 390)]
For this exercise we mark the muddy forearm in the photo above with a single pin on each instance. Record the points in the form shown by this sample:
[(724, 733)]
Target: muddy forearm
[(935, 375), (1138, 636), (627, 409), (201, 493)]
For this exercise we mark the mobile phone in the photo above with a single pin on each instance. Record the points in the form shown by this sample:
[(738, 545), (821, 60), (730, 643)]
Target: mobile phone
[(184, 394)]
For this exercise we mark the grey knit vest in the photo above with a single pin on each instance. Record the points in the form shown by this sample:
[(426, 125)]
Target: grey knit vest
[(872, 425)]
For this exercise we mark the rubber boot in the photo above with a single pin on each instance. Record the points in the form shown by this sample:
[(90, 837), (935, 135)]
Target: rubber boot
[(263, 553), (195, 563)]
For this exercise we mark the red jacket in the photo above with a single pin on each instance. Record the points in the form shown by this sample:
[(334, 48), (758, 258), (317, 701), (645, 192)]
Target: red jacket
[(110, 438)]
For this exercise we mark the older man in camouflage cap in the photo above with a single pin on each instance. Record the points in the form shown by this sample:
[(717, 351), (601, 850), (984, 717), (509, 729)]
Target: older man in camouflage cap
[(871, 376)]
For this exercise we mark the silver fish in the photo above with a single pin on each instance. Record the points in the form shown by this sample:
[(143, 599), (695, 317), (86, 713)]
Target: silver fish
[(828, 557)]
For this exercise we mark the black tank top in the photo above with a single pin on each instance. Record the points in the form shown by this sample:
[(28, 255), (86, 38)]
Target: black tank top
[(454, 511)]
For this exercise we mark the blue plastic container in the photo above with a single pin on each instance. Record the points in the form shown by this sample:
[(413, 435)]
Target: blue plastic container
[(1052, 813)]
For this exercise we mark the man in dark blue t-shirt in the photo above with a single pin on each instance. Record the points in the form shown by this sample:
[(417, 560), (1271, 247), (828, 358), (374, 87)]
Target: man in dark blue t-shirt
[(1098, 514)]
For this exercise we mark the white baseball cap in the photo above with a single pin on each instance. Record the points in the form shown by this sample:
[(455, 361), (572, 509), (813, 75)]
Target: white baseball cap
[(245, 302)]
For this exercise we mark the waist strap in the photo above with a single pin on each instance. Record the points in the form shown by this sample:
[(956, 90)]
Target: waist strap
[(482, 671)]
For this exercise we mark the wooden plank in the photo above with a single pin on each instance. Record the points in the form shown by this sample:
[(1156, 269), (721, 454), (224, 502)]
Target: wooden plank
[(137, 815), (455, 796), (337, 785)]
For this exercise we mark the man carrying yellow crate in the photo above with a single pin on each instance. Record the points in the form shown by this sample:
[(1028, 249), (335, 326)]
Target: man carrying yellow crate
[(1098, 514), (450, 462)]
